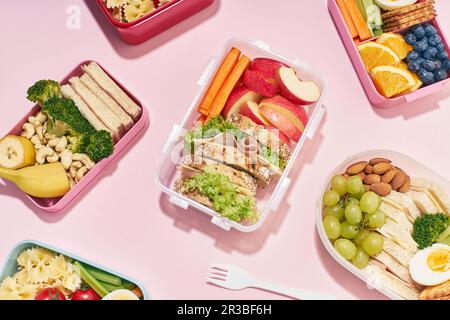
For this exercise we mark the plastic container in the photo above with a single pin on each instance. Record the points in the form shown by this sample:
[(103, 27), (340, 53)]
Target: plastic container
[(372, 93), (408, 164), (155, 22), (57, 205), (267, 199), (10, 264)]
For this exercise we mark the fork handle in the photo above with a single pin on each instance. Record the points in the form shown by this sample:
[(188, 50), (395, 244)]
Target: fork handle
[(291, 292)]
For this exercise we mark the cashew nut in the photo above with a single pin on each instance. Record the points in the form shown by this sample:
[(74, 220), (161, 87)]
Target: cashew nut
[(39, 146), (80, 173), (40, 133), (84, 158), (29, 130), (49, 136), (41, 117), (35, 140), (53, 158), (62, 144), (43, 153), (66, 159), (53, 142), (74, 168), (71, 181), (32, 119)]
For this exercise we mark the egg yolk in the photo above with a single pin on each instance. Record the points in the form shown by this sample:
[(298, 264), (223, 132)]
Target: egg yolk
[(439, 260)]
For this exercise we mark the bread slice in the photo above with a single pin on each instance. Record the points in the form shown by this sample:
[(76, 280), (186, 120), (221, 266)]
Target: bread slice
[(399, 235), (403, 202), (394, 267), (68, 93), (126, 120), (400, 254), (107, 84), (434, 190), (423, 201), (396, 215)]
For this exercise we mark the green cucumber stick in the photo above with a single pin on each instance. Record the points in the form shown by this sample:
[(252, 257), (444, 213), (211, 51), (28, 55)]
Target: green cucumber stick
[(104, 276), (361, 9), (110, 287), (91, 281)]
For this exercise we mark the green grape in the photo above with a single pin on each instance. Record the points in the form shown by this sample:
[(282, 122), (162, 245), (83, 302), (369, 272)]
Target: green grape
[(351, 201), (376, 219), (331, 198), (348, 231), (353, 214), (361, 259), (362, 234), (332, 227), (370, 202), (336, 211), (373, 244), (339, 184), (361, 193), (354, 185), (346, 248)]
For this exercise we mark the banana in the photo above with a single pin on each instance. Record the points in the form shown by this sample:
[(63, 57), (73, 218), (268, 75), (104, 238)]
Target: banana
[(16, 152)]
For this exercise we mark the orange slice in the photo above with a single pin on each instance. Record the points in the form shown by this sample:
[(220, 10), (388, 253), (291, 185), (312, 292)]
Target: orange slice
[(374, 54), (396, 43), (391, 80)]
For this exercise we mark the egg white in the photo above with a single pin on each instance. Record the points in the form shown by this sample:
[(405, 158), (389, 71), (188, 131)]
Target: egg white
[(421, 273)]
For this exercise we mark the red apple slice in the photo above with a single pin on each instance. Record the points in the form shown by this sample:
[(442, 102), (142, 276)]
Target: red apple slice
[(284, 115), (240, 96), (296, 90), (258, 82), (266, 66), (251, 111)]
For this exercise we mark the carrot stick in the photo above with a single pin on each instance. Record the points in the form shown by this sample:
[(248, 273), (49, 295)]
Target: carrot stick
[(222, 96), (201, 118), (219, 79), (348, 19), (358, 20)]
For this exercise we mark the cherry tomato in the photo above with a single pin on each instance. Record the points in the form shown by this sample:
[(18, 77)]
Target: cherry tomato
[(50, 294), (87, 294)]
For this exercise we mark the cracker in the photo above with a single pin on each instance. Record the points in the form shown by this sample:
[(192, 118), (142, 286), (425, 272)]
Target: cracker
[(436, 292), (409, 24), (407, 9), (409, 14), (410, 18)]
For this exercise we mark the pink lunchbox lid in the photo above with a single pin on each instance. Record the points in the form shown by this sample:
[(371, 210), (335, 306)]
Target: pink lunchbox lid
[(57, 205)]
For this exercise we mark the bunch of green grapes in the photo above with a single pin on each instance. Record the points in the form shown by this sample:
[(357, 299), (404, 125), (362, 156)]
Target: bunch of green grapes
[(350, 217)]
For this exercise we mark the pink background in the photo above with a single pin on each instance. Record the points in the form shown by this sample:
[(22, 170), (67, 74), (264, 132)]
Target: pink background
[(125, 223)]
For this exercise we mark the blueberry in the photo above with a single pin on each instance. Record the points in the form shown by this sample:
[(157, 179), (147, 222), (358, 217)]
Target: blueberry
[(438, 63), (420, 60), (430, 53), (429, 65), (446, 65), (440, 75), (434, 40), (418, 31), (429, 30), (413, 55), (440, 46), (426, 77), (421, 46), (442, 56), (410, 38), (414, 66)]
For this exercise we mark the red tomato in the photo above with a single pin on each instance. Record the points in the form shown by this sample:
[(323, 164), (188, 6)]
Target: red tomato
[(50, 294), (87, 294)]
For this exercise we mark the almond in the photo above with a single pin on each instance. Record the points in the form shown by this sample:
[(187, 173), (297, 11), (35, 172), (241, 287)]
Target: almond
[(389, 176), (375, 161), (372, 178), (368, 169), (362, 175), (356, 168), (399, 180), (382, 168), (381, 188), (405, 187)]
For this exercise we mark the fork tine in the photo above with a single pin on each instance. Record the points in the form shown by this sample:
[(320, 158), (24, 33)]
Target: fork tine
[(217, 273), (219, 283), (221, 267), (217, 276)]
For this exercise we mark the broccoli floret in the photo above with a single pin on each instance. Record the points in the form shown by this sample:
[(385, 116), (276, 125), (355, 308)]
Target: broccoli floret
[(428, 227), (100, 145), (78, 142), (43, 90), (64, 112)]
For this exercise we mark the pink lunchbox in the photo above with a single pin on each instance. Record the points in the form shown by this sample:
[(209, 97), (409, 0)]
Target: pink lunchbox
[(57, 205), (373, 95), (157, 21)]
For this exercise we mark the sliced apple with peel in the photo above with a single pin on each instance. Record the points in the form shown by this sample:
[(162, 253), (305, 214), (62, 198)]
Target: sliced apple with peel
[(251, 110), (287, 117), (260, 83), (267, 66), (240, 96), (296, 90)]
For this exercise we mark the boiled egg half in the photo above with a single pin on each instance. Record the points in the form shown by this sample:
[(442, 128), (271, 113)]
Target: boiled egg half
[(121, 294), (394, 4), (431, 266)]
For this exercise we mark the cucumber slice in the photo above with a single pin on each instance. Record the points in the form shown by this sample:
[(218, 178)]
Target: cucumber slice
[(443, 235), (104, 276), (91, 281)]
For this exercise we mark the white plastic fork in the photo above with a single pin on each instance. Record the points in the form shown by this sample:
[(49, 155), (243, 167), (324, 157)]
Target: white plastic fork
[(236, 278)]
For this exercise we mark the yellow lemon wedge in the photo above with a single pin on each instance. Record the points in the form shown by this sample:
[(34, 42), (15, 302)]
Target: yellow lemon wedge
[(374, 54), (396, 43), (391, 80)]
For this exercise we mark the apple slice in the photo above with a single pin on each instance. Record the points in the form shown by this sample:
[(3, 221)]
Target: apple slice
[(296, 90), (240, 96), (289, 118), (251, 110), (280, 135), (258, 82), (266, 66)]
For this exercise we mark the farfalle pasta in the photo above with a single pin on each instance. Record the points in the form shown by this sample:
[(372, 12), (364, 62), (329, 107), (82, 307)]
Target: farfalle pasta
[(132, 10)]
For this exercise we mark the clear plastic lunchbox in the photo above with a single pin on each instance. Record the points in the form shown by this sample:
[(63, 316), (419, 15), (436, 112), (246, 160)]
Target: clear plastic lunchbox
[(58, 205), (372, 93), (269, 198), (413, 167), (10, 264)]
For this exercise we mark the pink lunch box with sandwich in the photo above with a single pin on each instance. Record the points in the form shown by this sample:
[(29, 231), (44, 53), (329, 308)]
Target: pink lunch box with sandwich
[(155, 22), (57, 205), (372, 93)]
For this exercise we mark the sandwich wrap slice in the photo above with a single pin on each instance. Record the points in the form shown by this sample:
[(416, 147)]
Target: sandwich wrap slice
[(403, 202)]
